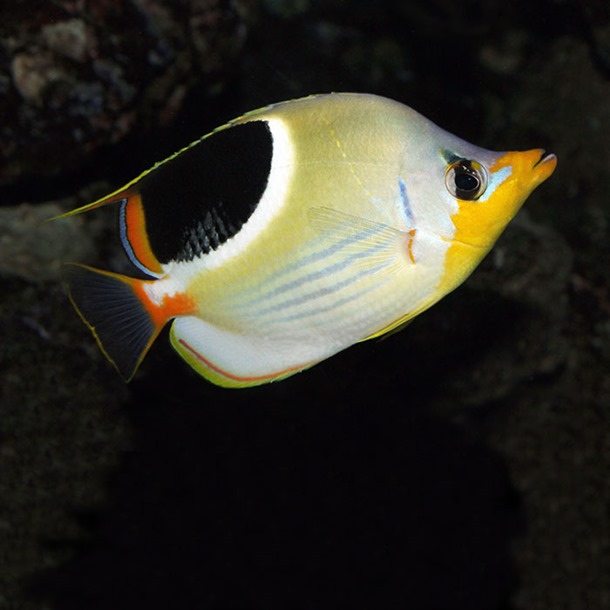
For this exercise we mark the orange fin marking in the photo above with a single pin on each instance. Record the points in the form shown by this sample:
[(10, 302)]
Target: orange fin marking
[(179, 304), (135, 238), (121, 313)]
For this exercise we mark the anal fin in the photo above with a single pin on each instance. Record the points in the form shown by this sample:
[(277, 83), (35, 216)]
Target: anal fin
[(234, 360)]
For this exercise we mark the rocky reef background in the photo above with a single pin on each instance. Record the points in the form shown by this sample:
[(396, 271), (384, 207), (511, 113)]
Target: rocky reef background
[(461, 463)]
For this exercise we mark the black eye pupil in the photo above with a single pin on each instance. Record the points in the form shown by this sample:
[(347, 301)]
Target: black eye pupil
[(466, 182), (466, 179)]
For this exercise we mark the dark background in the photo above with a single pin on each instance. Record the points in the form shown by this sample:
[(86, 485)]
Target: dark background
[(461, 463)]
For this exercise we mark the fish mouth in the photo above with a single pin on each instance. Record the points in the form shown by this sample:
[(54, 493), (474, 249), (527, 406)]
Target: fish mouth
[(543, 167), (533, 166), (544, 159)]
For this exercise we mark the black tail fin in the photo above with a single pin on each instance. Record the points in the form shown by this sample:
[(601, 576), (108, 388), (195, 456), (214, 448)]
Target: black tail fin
[(117, 311)]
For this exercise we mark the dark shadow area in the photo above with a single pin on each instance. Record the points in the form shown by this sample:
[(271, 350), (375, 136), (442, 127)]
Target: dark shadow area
[(314, 493)]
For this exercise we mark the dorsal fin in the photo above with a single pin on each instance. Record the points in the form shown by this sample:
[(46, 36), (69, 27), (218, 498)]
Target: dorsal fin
[(134, 235), (196, 199), (115, 197)]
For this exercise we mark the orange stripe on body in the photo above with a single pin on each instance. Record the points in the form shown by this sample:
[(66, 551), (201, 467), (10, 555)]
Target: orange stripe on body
[(411, 235)]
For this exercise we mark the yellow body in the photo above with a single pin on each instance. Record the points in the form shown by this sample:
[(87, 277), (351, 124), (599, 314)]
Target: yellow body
[(355, 234)]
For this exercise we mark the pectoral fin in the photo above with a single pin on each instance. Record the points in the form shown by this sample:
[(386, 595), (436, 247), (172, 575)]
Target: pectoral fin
[(371, 243)]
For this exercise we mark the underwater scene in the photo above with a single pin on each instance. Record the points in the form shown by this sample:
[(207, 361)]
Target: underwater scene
[(304, 304)]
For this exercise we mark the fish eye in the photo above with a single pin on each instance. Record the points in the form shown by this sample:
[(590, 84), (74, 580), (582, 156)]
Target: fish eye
[(466, 179)]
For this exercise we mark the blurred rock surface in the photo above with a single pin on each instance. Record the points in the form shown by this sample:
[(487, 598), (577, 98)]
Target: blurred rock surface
[(75, 76)]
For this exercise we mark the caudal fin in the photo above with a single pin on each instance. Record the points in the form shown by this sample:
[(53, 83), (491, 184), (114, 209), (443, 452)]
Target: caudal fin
[(118, 312)]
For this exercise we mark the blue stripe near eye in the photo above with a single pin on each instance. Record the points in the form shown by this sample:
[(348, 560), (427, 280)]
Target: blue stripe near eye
[(404, 201), (496, 179)]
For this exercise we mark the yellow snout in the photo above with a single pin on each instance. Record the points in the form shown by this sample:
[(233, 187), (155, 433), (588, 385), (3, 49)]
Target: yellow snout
[(511, 179), (479, 223)]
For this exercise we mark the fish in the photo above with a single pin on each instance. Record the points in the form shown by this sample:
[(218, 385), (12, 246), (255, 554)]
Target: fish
[(295, 231)]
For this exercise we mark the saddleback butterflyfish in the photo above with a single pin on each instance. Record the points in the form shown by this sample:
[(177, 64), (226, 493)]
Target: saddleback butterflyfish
[(295, 231)]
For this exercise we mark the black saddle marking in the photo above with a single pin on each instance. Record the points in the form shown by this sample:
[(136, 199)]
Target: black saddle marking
[(197, 200)]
